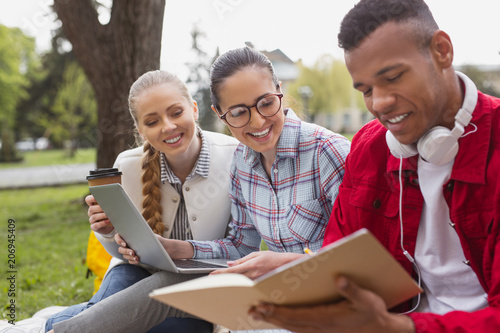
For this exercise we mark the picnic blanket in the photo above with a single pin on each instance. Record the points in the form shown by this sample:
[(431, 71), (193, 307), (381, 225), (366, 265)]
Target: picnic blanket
[(35, 324)]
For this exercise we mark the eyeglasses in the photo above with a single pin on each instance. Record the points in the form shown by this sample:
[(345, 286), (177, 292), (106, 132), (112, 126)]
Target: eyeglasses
[(239, 116)]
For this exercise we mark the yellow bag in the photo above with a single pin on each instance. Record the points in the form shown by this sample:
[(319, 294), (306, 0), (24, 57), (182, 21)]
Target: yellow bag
[(97, 260)]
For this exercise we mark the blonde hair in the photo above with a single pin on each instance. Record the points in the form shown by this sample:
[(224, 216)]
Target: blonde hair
[(151, 170)]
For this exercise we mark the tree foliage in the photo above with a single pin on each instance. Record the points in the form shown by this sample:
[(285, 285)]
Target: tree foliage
[(74, 109), (482, 79), (17, 61), (330, 84), (60, 103), (45, 82), (199, 80)]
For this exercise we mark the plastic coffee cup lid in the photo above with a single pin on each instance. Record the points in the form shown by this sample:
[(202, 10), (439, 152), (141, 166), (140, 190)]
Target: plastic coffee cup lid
[(103, 172)]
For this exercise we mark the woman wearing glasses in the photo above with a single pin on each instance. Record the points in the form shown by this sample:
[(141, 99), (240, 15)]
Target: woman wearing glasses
[(285, 177)]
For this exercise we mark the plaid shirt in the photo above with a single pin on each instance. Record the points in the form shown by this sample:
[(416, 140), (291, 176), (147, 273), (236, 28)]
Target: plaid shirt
[(289, 211)]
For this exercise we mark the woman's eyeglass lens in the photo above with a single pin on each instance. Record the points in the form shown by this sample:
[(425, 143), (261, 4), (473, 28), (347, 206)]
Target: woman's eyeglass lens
[(267, 106)]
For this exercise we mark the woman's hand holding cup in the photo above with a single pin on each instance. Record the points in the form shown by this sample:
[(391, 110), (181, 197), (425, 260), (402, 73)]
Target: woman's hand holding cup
[(99, 222)]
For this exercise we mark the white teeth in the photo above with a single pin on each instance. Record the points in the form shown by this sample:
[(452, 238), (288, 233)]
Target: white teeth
[(174, 140), (397, 119), (261, 134)]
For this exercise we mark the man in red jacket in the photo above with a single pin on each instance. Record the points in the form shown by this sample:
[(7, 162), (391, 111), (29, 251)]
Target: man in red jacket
[(436, 145)]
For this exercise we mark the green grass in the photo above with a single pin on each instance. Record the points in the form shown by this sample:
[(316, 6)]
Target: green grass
[(51, 228), (52, 157)]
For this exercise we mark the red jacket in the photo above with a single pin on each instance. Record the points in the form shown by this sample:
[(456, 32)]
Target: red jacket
[(369, 198)]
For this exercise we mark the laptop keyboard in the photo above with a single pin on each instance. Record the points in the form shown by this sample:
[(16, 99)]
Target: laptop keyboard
[(187, 263)]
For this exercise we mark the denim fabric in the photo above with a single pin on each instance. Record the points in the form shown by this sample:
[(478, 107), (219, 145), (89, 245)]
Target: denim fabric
[(119, 278)]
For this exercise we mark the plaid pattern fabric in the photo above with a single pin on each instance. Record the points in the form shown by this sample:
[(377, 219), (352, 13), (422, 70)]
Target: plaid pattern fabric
[(181, 226), (289, 210)]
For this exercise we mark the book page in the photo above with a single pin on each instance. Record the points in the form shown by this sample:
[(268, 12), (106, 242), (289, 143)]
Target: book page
[(358, 256)]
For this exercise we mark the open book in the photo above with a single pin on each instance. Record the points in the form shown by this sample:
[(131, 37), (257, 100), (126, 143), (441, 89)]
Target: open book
[(225, 299)]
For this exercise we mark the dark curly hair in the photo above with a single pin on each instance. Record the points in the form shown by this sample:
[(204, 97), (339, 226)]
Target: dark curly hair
[(368, 15)]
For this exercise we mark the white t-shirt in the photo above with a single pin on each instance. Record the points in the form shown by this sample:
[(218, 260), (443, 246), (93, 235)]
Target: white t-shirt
[(449, 284)]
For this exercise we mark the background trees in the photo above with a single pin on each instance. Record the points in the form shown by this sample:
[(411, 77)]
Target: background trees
[(18, 61), (35, 116), (199, 80), (330, 85), (74, 108), (40, 94), (484, 80), (113, 56)]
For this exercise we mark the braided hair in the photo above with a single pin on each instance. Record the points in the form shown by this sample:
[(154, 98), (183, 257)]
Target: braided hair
[(151, 169)]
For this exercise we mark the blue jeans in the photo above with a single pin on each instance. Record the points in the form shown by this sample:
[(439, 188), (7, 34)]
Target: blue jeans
[(119, 278)]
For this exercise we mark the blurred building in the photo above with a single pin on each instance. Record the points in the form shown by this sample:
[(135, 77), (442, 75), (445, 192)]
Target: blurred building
[(285, 68), (347, 120)]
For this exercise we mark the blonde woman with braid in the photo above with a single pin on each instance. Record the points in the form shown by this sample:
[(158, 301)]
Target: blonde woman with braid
[(179, 177)]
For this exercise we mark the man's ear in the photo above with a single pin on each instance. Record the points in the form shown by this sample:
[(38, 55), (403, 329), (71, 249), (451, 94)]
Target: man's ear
[(442, 49)]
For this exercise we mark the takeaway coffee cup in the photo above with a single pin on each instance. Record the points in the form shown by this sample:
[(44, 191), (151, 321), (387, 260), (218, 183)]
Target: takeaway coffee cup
[(104, 176)]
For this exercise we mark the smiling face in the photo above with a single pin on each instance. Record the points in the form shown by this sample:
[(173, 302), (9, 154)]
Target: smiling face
[(245, 87), (166, 118), (403, 86)]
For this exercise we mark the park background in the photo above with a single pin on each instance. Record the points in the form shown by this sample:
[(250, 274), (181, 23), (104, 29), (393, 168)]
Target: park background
[(63, 100)]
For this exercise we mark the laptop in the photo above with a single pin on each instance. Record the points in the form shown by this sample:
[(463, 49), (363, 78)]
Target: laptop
[(134, 229)]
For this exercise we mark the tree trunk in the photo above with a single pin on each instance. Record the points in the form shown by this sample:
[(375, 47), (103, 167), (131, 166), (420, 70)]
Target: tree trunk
[(113, 56)]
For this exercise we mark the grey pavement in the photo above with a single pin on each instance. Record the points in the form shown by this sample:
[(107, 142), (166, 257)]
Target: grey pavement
[(44, 175)]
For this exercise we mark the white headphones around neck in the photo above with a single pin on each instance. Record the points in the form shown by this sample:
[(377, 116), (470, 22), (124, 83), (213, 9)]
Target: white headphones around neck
[(439, 145)]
